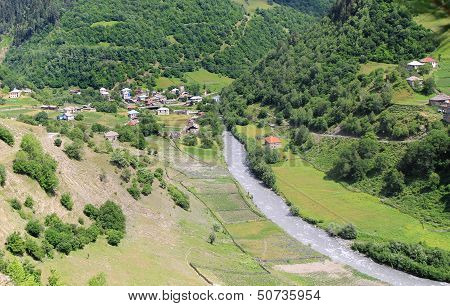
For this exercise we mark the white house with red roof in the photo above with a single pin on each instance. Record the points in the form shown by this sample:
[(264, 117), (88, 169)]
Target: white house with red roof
[(429, 60)]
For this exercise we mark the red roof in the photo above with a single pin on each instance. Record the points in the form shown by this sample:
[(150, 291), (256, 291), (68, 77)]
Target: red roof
[(133, 123), (272, 140), (428, 60)]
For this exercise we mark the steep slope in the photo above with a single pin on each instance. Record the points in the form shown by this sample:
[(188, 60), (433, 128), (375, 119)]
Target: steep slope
[(98, 43)]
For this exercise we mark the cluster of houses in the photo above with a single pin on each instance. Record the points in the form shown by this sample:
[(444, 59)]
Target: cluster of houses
[(17, 93), (69, 113), (414, 66)]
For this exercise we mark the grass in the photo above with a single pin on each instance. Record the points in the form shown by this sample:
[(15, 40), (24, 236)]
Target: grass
[(250, 6), (409, 97), (439, 22), (323, 199), (105, 24), (372, 66), (252, 131), (174, 121), (110, 120), (212, 81), (206, 155)]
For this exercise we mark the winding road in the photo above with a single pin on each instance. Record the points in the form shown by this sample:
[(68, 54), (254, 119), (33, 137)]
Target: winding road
[(274, 207)]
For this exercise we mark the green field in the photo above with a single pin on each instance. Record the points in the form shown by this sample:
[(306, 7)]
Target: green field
[(439, 22), (372, 66), (213, 82), (252, 131), (213, 155), (110, 120), (409, 97), (323, 199), (251, 5)]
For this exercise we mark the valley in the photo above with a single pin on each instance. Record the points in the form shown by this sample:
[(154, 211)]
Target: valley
[(224, 143)]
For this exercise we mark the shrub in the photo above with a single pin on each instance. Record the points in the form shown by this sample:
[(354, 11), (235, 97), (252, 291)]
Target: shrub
[(134, 191), (145, 176), (32, 161), (126, 175), (15, 204), (179, 197), (348, 232), (15, 244), (74, 150), (57, 142), (66, 201), (212, 238), (34, 228), (333, 229), (295, 211), (113, 237), (54, 279), (29, 202), (2, 175), (91, 211), (98, 280), (6, 136), (111, 217), (34, 250), (147, 189)]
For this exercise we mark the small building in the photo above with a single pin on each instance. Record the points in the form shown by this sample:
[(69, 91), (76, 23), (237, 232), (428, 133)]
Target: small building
[(180, 112), (70, 110), (27, 91), (414, 81), (49, 107), (75, 91), (163, 111), (441, 100), (272, 142), (216, 99), (192, 128), (133, 114), (111, 136), (15, 93), (429, 60), (196, 99), (126, 94), (104, 92), (447, 115), (414, 65), (66, 117)]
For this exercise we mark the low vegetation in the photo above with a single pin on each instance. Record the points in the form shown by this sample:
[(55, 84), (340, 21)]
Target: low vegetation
[(416, 259), (178, 197), (31, 160), (6, 136)]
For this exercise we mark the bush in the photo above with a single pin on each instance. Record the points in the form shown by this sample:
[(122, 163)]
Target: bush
[(179, 197), (212, 238), (15, 244), (126, 175), (57, 142), (34, 228), (98, 280), (113, 237), (111, 217), (29, 202), (134, 191), (145, 176), (15, 204), (6, 136), (74, 150), (295, 211), (147, 189), (2, 175), (66, 201), (32, 161), (348, 232), (34, 250), (91, 211), (333, 229)]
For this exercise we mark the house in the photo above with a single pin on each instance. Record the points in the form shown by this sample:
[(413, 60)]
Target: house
[(180, 112), (192, 128), (163, 111), (414, 65), (447, 114), (196, 99), (49, 107), (133, 114), (111, 136), (66, 117), (175, 91), (133, 122), (216, 99), (27, 91), (414, 81), (75, 91), (104, 92), (429, 60), (272, 142), (441, 100), (15, 94), (70, 110), (126, 94)]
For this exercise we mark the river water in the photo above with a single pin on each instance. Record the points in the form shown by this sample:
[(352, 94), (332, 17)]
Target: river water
[(274, 208)]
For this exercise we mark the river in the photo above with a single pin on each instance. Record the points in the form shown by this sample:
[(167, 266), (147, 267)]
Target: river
[(274, 208)]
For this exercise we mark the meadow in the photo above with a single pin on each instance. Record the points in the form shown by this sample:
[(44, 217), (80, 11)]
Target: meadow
[(212, 81), (322, 199)]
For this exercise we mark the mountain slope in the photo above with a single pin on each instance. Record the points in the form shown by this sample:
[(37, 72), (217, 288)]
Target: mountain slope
[(98, 43)]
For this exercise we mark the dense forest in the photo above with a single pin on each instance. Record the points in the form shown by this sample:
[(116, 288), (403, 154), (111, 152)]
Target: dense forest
[(99, 43), (24, 18)]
